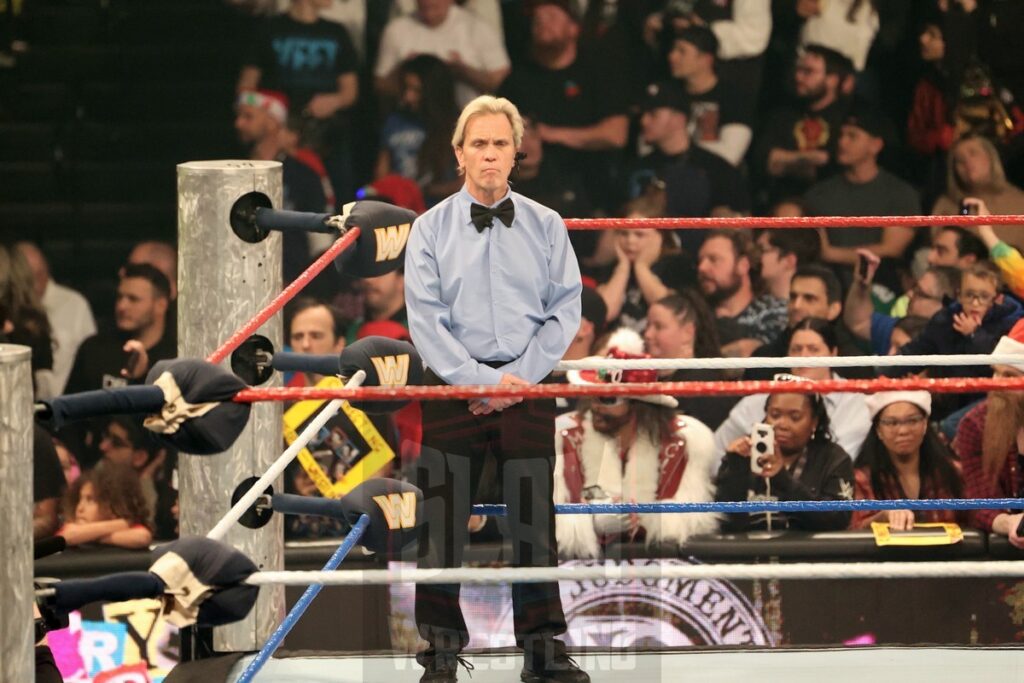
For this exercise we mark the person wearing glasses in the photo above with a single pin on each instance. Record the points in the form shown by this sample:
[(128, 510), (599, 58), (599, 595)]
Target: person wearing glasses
[(904, 458), (639, 449), (973, 323), (925, 299)]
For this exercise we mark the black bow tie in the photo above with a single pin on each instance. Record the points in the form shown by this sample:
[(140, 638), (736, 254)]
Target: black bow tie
[(483, 217)]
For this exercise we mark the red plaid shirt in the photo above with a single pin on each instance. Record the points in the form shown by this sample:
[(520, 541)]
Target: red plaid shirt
[(967, 445), (892, 490)]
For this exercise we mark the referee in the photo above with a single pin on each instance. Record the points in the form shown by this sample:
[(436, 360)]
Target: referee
[(492, 291)]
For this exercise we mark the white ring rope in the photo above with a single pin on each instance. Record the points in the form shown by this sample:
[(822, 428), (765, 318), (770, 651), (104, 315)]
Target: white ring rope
[(218, 532), (788, 362), (493, 575)]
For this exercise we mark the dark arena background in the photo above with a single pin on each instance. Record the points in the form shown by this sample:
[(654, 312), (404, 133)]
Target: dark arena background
[(213, 214)]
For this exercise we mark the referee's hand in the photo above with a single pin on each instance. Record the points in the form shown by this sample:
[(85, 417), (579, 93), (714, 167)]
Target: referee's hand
[(486, 406)]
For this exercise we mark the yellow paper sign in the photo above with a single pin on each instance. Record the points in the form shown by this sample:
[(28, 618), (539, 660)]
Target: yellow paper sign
[(351, 470), (932, 533)]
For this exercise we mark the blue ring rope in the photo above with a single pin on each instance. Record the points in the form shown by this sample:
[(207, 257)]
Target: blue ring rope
[(776, 506), (300, 607)]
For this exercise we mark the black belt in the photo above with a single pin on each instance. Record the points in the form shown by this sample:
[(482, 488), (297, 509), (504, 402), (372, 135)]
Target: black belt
[(496, 364)]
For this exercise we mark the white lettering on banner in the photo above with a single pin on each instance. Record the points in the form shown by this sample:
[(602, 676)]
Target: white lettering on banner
[(634, 615), (399, 509), (392, 371), (628, 613), (391, 240), (102, 646)]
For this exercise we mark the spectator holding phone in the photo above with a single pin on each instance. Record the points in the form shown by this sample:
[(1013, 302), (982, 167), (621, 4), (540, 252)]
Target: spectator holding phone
[(975, 170), (924, 300), (904, 458), (123, 355), (1006, 257), (799, 462), (846, 411)]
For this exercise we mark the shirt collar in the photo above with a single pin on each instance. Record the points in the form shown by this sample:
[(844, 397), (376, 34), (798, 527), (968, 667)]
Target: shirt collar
[(467, 200), (464, 193)]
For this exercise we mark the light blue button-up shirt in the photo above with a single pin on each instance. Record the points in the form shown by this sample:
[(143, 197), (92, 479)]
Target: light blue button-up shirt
[(506, 294)]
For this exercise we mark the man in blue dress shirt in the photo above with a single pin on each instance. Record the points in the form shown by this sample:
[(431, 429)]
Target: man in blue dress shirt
[(492, 290)]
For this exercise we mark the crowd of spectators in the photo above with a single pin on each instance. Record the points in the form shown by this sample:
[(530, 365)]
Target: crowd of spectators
[(684, 108)]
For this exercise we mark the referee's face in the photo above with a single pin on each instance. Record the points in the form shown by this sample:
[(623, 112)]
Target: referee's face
[(487, 154)]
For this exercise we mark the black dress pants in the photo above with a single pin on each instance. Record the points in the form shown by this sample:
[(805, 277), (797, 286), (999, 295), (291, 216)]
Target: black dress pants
[(455, 443)]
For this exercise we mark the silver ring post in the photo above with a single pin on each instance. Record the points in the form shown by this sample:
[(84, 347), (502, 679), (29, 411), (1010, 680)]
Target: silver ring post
[(17, 661), (224, 281)]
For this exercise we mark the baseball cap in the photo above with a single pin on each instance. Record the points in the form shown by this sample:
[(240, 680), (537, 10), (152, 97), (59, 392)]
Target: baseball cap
[(668, 94), (568, 6), (701, 37), (868, 120)]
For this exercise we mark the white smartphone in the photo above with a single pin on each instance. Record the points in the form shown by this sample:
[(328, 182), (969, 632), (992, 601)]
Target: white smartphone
[(762, 446)]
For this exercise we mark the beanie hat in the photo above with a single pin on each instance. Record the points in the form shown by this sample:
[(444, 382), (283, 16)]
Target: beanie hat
[(876, 403), (271, 101), (1012, 343)]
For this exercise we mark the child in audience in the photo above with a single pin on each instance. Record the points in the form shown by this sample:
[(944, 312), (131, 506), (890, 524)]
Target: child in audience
[(972, 324), (105, 505)]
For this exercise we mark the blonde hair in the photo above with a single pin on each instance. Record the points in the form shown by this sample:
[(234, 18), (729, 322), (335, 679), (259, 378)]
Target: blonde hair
[(956, 188), (486, 104)]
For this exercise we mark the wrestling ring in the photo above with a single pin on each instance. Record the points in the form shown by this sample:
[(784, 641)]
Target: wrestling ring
[(228, 254)]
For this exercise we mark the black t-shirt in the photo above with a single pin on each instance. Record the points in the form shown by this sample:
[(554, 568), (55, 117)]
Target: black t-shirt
[(711, 110), (301, 59), (799, 129), (47, 474), (100, 358), (696, 181), (303, 190), (582, 94), (98, 366)]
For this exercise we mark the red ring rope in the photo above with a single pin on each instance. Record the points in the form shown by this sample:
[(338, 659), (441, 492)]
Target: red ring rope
[(328, 256), (433, 393), (789, 222), (286, 295)]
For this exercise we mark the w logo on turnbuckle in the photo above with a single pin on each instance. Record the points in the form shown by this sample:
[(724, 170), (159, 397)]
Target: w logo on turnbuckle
[(391, 240), (392, 371), (399, 509)]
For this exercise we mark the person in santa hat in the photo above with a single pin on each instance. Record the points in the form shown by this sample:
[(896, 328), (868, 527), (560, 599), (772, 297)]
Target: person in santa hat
[(636, 449)]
